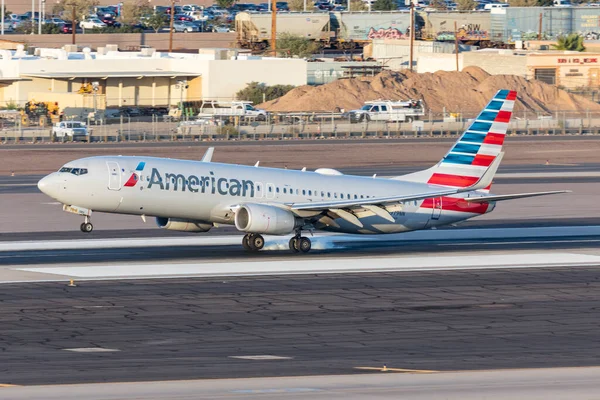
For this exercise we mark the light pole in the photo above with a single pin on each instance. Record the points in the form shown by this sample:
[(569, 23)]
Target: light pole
[(95, 87)]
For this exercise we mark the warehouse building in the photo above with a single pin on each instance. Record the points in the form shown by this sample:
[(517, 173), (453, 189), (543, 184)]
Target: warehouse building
[(109, 78)]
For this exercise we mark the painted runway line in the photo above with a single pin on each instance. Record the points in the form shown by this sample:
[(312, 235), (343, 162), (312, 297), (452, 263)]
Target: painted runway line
[(314, 266)]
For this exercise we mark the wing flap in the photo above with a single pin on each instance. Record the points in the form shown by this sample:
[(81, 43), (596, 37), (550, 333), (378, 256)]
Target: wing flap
[(486, 199)]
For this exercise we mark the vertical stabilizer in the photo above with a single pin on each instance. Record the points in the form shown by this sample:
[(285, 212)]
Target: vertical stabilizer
[(475, 150)]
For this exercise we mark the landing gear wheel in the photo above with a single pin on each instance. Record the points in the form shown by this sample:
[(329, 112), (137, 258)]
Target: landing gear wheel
[(86, 227), (246, 242), (304, 245), (257, 242), (294, 245)]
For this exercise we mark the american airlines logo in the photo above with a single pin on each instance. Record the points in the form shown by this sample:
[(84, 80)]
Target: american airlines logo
[(201, 184)]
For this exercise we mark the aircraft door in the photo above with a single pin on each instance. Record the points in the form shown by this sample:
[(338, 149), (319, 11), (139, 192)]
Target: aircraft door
[(114, 175), (437, 208)]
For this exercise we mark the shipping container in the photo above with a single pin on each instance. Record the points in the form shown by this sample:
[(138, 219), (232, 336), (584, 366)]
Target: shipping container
[(472, 26), (362, 27), (254, 29)]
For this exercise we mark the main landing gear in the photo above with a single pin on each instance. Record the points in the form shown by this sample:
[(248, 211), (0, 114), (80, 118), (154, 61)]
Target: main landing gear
[(86, 226), (253, 241), (300, 243)]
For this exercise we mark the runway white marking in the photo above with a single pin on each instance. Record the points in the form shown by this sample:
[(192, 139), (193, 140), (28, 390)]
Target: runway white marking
[(262, 357), (278, 241), (91, 350), (316, 266)]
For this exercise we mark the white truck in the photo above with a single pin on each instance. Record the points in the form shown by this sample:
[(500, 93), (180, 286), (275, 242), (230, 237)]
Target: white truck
[(388, 111), (227, 111), (70, 131)]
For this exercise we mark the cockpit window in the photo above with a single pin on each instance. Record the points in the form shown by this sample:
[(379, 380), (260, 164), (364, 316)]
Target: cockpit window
[(74, 171)]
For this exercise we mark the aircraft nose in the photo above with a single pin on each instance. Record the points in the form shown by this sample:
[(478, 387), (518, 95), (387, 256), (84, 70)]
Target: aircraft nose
[(49, 185)]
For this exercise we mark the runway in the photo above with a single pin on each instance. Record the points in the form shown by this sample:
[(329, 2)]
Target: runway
[(515, 289)]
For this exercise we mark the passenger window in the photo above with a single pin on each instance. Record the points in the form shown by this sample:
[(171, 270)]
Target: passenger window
[(322, 193), (303, 192), (342, 196), (355, 196), (310, 192), (297, 191), (335, 195), (362, 196), (284, 190), (328, 194), (277, 190), (383, 108), (270, 189)]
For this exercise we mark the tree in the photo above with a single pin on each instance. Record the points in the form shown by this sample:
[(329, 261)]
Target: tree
[(570, 42), (83, 8), (523, 3), (132, 10), (256, 92), (358, 5), (298, 5), (297, 45), (466, 5), (226, 3), (384, 5), (156, 21), (439, 4)]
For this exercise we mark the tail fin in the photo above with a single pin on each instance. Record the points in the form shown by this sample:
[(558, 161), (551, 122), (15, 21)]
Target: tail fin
[(475, 150)]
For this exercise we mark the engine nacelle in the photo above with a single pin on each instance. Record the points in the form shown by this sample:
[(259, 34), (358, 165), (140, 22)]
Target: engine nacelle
[(259, 218), (175, 224)]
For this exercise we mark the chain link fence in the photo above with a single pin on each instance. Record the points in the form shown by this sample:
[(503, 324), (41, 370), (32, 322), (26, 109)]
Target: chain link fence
[(280, 126)]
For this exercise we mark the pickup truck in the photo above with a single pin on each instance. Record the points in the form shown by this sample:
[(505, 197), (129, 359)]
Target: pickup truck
[(242, 109), (70, 131), (388, 111)]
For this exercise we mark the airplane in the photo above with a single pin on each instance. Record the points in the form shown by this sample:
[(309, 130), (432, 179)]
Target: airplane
[(195, 196)]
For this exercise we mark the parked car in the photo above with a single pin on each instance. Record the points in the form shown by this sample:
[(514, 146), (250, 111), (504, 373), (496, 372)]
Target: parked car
[(56, 21), (92, 23), (282, 6), (185, 26), (182, 17), (192, 7), (110, 21), (67, 28), (221, 29), (70, 130)]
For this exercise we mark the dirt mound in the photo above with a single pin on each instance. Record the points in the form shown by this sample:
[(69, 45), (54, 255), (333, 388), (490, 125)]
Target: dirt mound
[(465, 91)]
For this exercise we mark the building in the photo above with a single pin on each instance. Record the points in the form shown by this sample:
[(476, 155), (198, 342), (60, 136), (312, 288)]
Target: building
[(109, 78)]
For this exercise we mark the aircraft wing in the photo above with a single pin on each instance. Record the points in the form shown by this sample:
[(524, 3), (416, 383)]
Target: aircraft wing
[(482, 183), (485, 199)]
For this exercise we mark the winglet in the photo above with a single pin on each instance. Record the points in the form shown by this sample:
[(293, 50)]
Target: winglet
[(207, 157), (488, 175)]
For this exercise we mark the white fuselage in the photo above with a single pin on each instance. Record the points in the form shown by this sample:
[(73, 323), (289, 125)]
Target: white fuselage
[(211, 192)]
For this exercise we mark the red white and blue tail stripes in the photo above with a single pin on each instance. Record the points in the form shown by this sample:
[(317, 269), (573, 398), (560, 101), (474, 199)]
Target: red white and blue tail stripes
[(475, 150)]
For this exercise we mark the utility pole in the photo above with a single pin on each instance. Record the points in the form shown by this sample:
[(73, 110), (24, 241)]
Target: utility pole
[(171, 26), (32, 16), (412, 33), (2, 28), (74, 23), (40, 18), (274, 30), (540, 28), (456, 44)]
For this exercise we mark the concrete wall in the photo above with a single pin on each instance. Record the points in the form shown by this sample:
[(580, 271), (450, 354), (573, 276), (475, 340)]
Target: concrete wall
[(132, 41), (492, 63), (224, 79)]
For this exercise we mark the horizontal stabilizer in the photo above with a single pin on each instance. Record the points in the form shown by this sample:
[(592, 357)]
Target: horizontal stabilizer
[(208, 155), (485, 199)]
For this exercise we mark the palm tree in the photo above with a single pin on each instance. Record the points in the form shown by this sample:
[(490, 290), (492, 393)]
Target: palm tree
[(571, 42)]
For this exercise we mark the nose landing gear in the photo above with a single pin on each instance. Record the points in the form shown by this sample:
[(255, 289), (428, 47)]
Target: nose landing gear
[(86, 226)]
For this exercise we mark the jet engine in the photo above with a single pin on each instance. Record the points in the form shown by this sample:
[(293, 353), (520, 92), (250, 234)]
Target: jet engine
[(259, 218), (175, 224)]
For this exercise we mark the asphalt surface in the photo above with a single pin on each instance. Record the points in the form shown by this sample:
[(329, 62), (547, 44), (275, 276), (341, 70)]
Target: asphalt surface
[(321, 325), (286, 142)]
